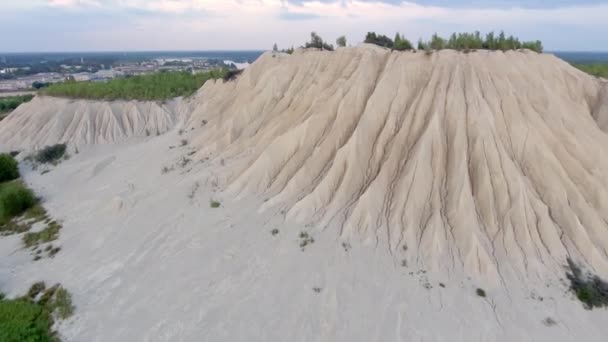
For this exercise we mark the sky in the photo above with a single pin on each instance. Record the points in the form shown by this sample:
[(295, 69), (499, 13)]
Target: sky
[(138, 25)]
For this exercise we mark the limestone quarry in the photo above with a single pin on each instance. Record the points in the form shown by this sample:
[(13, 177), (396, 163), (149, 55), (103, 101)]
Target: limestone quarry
[(364, 195)]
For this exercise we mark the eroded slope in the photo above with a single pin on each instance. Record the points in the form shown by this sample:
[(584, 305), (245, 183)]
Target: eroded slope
[(486, 161)]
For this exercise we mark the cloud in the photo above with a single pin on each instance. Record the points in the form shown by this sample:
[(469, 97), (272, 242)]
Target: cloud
[(74, 3), (254, 24)]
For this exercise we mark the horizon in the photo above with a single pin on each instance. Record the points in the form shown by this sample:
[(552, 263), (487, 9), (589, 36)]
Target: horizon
[(218, 51), (60, 26)]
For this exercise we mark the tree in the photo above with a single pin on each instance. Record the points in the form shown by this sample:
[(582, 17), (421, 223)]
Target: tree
[(317, 42), (341, 41), (401, 44), (380, 40), (8, 168), (275, 48), (437, 43)]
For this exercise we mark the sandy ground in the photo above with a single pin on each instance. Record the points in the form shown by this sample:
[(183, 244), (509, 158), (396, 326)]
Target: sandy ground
[(148, 259), (471, 170)]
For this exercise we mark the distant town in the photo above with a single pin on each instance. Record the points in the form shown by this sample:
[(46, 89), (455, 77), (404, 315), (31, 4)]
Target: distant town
[(26, 72)]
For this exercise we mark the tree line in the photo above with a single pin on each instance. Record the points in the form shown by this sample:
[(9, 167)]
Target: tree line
[(457, 41), (157, 86), (8, 104)]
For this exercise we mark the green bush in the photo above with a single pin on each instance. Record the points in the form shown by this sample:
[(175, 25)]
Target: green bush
[(27, 319), (599, 70), (15, 199), (50, 154), (589, 289), (8, 104), (317, 42), (23, 320), (9, 169), (158, 86)]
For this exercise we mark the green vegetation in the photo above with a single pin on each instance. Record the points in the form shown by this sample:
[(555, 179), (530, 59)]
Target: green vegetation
[(481, 292), (305, 239), (341, 41), (50, 154), (589, 289), (457, 41), (158, 86), (317, 42), (214, 204), (8, 104), (9, 168), (29, 318), (48, 234), (599, 70), (380, 40), (472, 41), (401, 44), (15, 199)]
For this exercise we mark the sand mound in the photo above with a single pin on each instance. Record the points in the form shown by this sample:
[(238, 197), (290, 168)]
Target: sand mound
[(462, 159), (465, 160), (47, 120)]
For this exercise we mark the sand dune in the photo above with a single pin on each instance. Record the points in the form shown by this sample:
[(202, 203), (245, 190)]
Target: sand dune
[(47, 120), (464, 159), (483, 160)]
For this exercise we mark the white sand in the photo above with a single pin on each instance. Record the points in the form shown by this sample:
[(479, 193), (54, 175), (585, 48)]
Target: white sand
[(489, 167), (47, 120)]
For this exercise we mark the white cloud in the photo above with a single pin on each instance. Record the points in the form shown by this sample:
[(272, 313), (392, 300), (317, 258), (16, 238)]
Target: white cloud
[(252, 24)]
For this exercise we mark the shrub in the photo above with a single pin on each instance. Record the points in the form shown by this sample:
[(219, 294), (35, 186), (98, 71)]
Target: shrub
[(15, 199), (214, 204), (481, 292), (588, 288), (24, 320), (152, 87), (63, 303), (48, 234), (380, 40), (472, 41), (9, 169), (10, 103), (599, 70), (231, 75), (341, 41), (317, 42), (30, 320), (401, 44), (50, 154)]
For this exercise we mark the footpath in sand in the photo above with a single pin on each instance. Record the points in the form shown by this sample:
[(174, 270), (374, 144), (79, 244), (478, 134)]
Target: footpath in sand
[(420, 178)]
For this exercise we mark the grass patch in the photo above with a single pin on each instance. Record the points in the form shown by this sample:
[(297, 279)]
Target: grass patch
[(9, 169), (50, 154), (15, 199), (30, 319), (48, 234), (588, 288), (599, 70), (8, 104), (157, 86)]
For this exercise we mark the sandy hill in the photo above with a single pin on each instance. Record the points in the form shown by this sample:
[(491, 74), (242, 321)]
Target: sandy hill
[(420, 176), (464, 159), (47, 120)]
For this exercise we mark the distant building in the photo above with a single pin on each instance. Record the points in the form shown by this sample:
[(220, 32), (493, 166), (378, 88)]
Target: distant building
[(82, 76), (108, 74)]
